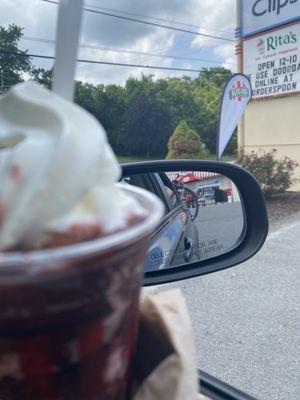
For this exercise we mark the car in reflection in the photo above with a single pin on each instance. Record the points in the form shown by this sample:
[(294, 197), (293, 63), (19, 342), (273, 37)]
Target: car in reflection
[(175, 241)]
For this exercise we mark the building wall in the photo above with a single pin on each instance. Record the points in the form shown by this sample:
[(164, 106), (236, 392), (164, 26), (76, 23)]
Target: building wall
[(273, 123), (222, 182)]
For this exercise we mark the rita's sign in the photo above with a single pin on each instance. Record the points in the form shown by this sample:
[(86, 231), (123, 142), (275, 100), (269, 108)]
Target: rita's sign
[(261, 15), (271, 60), (239, 91)]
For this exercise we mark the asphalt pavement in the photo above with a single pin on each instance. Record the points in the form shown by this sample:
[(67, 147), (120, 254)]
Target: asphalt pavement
[(247, 319), (220, 227)]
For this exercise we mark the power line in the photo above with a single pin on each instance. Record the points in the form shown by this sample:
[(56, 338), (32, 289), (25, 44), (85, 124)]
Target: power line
[(173, 28), (109, 63), (159, 19), (51, 41), (150, 23), (114, 63)]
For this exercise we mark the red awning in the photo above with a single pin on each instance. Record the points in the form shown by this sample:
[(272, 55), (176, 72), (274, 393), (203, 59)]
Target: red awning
[(188, 178), (196, 176)]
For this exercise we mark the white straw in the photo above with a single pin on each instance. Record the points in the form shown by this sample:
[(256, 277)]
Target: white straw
[(67, 38)]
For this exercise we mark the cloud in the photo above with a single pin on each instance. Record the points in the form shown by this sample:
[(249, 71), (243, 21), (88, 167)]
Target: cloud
[(39, 20), (227, 53), (221, 14), (107, 74), (118, 32)]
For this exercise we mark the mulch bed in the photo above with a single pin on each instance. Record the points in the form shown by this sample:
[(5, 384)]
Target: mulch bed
[(283, 206)]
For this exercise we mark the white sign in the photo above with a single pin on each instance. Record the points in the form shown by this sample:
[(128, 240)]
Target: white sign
[(272, 62), (236, 96), (261, 15)]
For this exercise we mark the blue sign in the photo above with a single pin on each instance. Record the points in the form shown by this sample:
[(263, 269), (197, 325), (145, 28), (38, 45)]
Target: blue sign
[(262, 15)]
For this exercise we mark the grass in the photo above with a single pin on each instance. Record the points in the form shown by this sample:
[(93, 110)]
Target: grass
[(125, 159), (225, 158)]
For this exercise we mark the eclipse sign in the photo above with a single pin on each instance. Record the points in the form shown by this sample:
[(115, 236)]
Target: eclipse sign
[(261, 15)]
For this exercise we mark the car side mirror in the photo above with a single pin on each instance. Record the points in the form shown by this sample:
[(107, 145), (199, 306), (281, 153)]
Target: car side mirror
[(215, 217)]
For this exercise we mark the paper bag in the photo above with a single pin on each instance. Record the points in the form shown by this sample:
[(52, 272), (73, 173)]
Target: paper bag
[(165, 367)]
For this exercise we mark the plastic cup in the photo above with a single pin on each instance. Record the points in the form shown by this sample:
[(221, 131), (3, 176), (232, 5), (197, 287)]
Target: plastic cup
[(69, 315)]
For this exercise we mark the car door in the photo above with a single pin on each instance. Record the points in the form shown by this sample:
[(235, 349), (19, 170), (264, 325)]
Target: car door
[(187, 249), (173, 242)]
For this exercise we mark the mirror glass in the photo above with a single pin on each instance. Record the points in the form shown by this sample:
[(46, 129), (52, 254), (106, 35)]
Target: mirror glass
[(204, 216)]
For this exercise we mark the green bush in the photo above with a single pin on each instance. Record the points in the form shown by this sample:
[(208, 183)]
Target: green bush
[(185, 143), (273, 174)]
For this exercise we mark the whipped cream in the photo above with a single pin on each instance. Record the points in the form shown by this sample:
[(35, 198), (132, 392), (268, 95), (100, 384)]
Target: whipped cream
[(56, 169)]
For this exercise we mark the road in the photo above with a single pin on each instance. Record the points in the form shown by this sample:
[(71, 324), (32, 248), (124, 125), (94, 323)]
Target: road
[(247, 319), (221, 224)]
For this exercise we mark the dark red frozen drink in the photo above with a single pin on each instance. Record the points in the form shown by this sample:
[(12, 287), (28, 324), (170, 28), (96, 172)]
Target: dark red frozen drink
[(69, 315)]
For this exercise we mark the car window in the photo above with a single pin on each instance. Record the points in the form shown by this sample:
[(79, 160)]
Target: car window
[(154, 184), (141, 181), (169, 190)]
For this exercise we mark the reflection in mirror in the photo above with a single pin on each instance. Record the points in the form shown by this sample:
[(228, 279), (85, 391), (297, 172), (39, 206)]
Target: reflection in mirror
[(204, 217)]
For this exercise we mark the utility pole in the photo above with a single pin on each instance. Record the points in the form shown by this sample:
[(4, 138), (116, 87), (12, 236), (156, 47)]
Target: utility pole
[(239, 55)]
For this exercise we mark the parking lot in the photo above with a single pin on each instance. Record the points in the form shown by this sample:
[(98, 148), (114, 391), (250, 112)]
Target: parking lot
[(246, 319), (220, 227)]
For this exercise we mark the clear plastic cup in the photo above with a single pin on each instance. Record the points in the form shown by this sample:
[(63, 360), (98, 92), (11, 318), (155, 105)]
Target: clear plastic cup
[(69, 315)]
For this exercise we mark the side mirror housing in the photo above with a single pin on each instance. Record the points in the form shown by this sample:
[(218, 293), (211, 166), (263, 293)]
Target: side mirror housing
[(221, 203)]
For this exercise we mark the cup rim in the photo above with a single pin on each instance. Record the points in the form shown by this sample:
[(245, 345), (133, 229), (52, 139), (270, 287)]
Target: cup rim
[(120, 239)]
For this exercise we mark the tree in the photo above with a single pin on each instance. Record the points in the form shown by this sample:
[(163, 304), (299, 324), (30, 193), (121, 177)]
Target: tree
[(178, 95), (14, 63), (140, 117), (85, 96), (208, 89), (42, 76), (216, 75), (207, 98), (185, 143), (111, 108), (146, 127)]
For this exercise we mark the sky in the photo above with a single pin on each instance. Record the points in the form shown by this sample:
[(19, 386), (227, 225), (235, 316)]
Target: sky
[(115, 40)]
